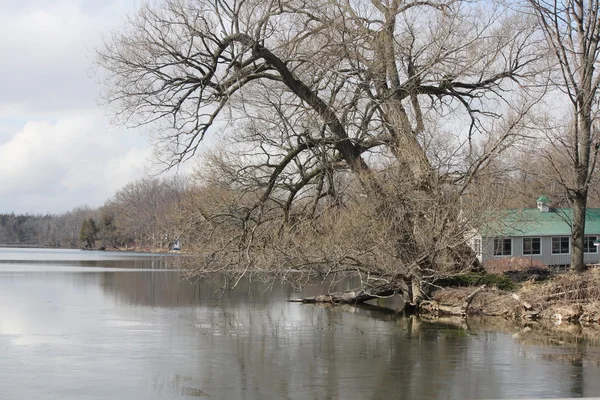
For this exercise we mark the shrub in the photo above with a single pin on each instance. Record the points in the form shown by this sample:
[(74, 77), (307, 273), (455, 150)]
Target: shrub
[(499, 281)]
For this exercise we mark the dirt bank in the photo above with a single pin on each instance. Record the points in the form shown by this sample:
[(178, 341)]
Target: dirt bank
[(566, 297)]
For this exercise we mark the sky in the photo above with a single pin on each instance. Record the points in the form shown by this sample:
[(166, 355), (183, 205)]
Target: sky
[(58, 147)]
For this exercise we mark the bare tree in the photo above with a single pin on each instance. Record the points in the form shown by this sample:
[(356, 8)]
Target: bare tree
[(145, 213), (572, 29), (322, 94)]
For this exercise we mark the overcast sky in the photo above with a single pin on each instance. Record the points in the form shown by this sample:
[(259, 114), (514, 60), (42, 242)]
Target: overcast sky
[(58, 148)]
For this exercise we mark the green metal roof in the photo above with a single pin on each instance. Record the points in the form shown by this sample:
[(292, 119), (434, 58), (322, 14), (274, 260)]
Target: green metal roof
[(533, 222)]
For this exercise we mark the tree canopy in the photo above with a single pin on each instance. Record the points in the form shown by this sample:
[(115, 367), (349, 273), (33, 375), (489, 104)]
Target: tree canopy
[(325, 103)]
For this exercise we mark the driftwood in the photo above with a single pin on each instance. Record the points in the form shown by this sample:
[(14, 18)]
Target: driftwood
[(470, 297), (348, 297), (529, 313), (527, 306), (360, 296), (435, 308), (425, 307)]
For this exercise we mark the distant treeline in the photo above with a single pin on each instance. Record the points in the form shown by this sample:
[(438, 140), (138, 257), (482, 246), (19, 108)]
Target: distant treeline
[(144, 214), (43, 230)]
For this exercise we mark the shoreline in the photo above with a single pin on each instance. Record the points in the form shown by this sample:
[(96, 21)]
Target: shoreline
[(568, 297)]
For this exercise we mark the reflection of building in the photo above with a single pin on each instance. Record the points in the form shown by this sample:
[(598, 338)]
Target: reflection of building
[(542, 234)]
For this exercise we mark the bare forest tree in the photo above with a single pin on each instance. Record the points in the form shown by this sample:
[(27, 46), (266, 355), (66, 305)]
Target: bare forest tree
[(572, 29), (355, 128), (144, 213)]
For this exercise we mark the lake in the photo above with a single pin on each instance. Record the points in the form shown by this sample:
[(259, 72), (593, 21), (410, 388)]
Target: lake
[(104, 325)]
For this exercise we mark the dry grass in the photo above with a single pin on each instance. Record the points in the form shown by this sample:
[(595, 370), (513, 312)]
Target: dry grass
[(452, 296), (569, 287), (492, 302), (567, 297)]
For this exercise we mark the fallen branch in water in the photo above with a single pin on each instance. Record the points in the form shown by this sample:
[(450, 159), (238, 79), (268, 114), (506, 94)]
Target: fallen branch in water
[(348, 297)]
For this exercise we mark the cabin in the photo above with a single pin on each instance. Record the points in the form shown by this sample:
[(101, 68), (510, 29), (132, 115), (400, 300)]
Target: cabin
[(542, 234)]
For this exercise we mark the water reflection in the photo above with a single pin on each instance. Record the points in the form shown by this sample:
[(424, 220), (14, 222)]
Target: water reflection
[(170, 289), (255, 343), (146, 334)]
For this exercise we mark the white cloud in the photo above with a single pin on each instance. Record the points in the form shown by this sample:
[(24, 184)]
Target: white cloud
[(50, 46), (73, 161), (127, 168), (57, 149)]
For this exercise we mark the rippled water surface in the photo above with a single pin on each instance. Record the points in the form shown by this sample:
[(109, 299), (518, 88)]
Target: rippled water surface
[(101, 325)]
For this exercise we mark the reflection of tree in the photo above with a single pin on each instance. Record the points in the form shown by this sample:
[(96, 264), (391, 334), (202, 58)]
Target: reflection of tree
[(252, 344), (170, 289), (577, 377), (150, 289), (341, 353)]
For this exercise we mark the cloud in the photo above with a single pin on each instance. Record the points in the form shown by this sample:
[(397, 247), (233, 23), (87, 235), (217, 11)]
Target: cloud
[(57, 149), (127, 168), (61, 164), (50, 46)]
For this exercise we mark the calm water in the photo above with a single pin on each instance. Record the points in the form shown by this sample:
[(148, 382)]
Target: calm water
[(86, 325)]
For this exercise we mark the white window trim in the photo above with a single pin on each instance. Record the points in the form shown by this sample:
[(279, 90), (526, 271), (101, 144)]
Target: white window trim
[(502, 255), (532, 237), (592, 252), (478, 249), (559, 254)]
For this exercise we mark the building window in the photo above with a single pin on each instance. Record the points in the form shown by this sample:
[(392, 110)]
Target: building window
[(477, 246), (588, 244), (560, 245), (502, 247), (532, 246)]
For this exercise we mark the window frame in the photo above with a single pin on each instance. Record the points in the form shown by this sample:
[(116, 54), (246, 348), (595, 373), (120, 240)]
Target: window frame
[(561, 243), (589, 240), (477, 246), (532, 238), (502, 254)]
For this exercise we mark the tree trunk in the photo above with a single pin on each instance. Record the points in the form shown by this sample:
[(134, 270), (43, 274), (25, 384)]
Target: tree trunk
[(578, 232), (409, 289), (582, 171)]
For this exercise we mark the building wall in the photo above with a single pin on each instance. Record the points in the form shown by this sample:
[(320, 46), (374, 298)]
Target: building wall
[(475, 242), (546, 257)]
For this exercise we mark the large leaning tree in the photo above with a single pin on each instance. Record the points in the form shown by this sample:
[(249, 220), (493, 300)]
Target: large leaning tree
[(572, 31), (356, 127)]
